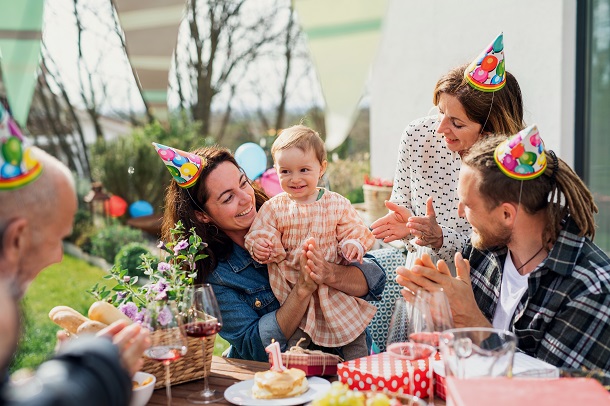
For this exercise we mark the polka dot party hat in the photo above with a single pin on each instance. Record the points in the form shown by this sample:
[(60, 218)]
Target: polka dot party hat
[(522, 156), (184, 166), (18, 166), (487, 72)]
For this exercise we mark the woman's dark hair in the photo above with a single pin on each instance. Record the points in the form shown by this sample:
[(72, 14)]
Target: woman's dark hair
[(182, 204), (506, 114)]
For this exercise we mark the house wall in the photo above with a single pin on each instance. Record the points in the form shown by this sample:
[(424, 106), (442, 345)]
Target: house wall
[(424, 39)]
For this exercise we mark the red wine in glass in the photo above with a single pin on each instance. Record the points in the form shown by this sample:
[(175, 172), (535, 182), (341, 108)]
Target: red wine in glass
[(201, 329), (168, 340), (165, 353), (203, 320)]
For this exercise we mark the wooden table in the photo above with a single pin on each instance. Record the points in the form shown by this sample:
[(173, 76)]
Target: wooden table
[(225, 372)]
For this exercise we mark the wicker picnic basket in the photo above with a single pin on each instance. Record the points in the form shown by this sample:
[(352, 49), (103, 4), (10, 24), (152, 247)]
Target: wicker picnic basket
[(187, 368)]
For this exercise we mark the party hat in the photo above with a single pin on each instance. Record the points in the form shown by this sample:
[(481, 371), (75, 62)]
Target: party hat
[(522, 156), (487, 73), (184, 166), (18, 166)]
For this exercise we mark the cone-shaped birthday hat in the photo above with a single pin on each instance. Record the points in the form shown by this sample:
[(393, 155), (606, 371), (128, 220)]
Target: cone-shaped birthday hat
[(487, 72), (522, 156), (18, 167), (184, 166)]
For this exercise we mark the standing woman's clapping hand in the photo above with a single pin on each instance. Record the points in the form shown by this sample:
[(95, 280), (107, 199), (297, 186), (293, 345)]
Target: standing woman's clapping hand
[(425, 228), (392, 226)]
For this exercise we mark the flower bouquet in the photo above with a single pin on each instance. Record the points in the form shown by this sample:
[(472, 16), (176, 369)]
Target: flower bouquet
[(167, 280)]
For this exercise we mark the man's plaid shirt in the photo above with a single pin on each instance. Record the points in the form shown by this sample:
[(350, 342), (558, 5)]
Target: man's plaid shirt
[(564, 319)]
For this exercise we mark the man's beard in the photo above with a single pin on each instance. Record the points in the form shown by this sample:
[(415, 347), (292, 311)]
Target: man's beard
[(484, 240)]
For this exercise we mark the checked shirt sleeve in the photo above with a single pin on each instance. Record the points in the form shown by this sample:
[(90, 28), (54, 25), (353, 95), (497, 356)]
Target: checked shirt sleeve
[(265, 227)]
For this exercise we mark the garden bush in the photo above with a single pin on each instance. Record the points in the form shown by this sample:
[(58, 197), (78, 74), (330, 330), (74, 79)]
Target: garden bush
[(130, 258), (107, 242), (129, 166)]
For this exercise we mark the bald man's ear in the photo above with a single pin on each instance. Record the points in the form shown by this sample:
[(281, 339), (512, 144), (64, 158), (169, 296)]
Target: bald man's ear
[(14, 240)]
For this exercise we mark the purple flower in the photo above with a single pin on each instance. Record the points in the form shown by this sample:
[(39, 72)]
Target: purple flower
[(130, 310), (163, 267), (164, 316), (180, 246), (121, 295), (126, 278), (161, 288)]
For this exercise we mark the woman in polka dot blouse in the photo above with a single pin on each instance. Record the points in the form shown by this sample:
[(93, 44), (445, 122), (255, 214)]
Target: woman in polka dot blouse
[(423, 206)]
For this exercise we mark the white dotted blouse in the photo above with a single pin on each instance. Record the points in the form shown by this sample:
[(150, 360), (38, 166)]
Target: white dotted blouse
[(426, 167)]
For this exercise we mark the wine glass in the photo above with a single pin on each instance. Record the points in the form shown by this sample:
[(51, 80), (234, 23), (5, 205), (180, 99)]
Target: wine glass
[(202, 321), (400, 322), (168, 340), (430, 317)]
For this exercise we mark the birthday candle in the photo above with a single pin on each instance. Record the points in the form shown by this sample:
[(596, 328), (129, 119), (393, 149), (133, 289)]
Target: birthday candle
[(276, 356)]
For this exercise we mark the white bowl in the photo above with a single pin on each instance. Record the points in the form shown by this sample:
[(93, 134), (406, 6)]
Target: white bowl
[(141, 395)]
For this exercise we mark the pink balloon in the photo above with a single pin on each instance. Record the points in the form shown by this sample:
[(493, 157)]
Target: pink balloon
[(270, 182)]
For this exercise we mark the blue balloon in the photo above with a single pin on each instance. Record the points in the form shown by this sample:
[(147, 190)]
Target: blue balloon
[(251, 157), (140, 208)]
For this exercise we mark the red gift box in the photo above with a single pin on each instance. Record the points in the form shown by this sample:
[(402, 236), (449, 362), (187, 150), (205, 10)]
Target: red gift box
[(312, 363), (385, 372), (440, 389)]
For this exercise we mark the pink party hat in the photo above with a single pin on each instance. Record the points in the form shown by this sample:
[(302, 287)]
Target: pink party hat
[(18, 167), (487, 72), (522, 156), (184, 166)]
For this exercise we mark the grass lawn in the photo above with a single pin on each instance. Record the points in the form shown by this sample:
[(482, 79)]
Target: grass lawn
[(66, 284)]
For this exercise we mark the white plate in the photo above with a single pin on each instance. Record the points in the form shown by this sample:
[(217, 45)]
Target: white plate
[(240, 393)]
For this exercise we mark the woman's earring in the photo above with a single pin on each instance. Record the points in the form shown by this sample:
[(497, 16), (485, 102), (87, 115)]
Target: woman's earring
[(215, 229)]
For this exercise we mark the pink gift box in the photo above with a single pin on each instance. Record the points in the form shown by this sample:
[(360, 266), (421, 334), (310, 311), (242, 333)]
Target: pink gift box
[(317, 364), (383, 372)]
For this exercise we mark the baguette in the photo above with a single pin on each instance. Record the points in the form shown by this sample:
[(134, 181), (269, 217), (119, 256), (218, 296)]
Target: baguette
[(90, 327), (57, 309), (69, 320), (106, 313)]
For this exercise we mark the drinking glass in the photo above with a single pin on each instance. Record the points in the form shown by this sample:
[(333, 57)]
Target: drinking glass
[(203, 320), (398, 332), (478, 352), (168, 342), (431, 316)]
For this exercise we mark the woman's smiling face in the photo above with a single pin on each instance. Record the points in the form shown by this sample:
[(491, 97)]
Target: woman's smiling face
[(459, 131), (230, 205)]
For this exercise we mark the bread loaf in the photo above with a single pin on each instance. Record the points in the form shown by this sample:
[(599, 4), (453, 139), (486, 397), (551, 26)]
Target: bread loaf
[(57, 309), (68, 319), (90, 327), (106, 313)]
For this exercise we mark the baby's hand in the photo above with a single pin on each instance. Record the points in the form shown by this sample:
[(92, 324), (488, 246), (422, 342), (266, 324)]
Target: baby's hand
[(352, 252), (261, 250)]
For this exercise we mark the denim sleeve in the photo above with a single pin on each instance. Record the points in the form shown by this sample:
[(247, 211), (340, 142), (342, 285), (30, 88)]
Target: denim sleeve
[(269, 329), (242, 325), (374, 275)]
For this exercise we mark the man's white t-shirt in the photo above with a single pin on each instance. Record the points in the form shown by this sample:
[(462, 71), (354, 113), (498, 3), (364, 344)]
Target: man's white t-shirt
[(514, 286)]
